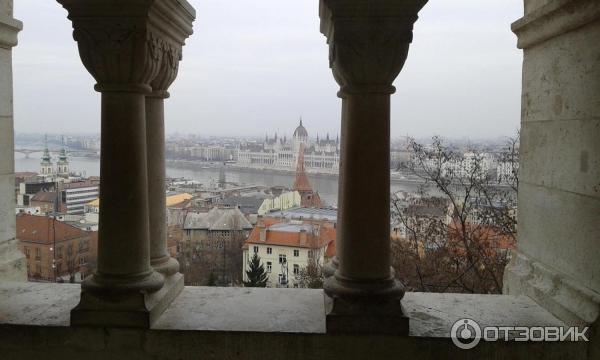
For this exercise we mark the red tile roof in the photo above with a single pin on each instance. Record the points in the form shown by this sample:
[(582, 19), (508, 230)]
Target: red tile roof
[(42, 229), (323, 237)]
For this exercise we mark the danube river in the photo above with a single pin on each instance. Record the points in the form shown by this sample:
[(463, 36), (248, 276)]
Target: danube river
[(326, 185)]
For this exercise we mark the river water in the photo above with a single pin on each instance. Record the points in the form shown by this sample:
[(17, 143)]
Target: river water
[(326, 185)]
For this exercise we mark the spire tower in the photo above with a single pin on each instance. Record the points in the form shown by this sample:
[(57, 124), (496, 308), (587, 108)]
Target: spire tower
[(46, 167)]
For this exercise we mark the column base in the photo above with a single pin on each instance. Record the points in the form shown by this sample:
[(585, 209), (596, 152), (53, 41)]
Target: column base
[(167, 266), (135, 309), (365, 309), (330, 268)]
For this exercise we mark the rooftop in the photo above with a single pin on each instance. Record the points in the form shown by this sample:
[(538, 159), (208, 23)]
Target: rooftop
[(217, 219), (44, 196), (43, 229), (278, 232), (306, 213)]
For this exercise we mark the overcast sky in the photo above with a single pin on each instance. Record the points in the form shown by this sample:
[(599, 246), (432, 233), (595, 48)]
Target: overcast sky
[(253, 67)]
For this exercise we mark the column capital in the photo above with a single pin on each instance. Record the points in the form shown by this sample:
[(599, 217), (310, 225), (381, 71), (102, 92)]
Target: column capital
[(368, 41), (9, 27), (125, 47)]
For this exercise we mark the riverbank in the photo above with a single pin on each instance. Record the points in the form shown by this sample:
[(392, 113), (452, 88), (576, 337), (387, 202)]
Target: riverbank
[(199, 165)]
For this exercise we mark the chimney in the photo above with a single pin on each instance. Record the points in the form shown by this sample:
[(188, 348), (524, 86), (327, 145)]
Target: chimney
[(263, 234), (303, 237)]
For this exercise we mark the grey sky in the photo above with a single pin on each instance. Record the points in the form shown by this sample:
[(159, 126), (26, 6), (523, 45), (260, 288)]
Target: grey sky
[(255, 66)]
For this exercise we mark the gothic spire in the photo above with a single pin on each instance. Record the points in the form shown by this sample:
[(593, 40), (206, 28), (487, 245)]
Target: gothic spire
[(301, 184)]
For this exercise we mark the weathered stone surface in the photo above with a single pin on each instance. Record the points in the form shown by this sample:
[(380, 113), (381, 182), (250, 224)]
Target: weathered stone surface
[(246, 309), (557, 293), (7, 146), (561, 77), (223, 323), (556, 263), (560, 229), (6, 80), (545, 20), (273, 310), (12, 262), (9, 28), (562, 155)]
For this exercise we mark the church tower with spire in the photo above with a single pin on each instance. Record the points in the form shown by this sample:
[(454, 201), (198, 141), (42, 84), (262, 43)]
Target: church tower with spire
[(308, 198), (46, 167), (63, 162)]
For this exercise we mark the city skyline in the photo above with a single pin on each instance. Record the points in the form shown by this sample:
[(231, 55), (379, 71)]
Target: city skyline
[(256, 67)]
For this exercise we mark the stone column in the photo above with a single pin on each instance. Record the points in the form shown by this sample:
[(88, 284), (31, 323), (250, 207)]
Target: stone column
[(161, 261), (368, 45), (13, 265), (121, 46), (155, 140)]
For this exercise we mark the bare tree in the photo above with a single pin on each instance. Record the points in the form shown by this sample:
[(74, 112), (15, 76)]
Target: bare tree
[(311, 276), (464, 250)]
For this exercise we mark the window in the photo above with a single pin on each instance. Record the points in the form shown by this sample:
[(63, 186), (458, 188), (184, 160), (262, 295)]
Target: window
[(59, 252), (269, 266), (296, 269), (256, 249), (282, 259), (27, 252), (269, 250), (296, 253), (82, 260), (38, 254)]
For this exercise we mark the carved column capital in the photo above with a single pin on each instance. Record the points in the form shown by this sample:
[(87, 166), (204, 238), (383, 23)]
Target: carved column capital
[(126, 47), (170, 55), (368, 41)]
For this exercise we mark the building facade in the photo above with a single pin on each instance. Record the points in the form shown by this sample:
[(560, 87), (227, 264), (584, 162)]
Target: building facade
[(320, 156), (55, 250), (212, 243), (287, 247), (76, 195)]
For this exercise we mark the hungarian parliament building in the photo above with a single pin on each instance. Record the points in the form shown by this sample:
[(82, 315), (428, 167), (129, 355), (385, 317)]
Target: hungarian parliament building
[(322, 155)]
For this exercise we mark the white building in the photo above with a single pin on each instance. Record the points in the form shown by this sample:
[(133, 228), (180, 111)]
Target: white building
[(507, 171), (287, 200), (287, 247), (320, 156), (76, 195)]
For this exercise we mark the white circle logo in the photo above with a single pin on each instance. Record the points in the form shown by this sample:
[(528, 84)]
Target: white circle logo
[(465, 334)]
